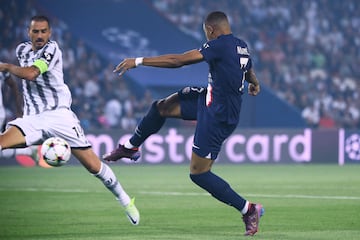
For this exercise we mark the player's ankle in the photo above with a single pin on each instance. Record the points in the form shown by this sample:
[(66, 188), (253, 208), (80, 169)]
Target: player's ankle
[(128, 145), (251, 209)]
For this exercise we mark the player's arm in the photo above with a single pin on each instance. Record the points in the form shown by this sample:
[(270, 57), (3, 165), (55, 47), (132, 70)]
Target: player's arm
[(16, 94), (29, 73), (254, 86), (162, 61), (174, 60)]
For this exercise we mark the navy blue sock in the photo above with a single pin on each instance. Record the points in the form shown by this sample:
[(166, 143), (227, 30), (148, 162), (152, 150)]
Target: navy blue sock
[(150, 124), (219, 189)]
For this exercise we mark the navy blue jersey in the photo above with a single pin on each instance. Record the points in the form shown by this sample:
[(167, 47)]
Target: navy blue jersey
[(229, 59)]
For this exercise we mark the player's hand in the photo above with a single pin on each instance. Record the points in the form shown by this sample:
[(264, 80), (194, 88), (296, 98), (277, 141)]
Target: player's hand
[(253, 89), (125, 65)]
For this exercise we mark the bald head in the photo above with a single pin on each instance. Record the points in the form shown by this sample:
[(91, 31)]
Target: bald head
[(216, 24)]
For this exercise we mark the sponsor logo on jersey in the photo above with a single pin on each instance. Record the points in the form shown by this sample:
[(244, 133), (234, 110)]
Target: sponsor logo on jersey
[(243, 51)]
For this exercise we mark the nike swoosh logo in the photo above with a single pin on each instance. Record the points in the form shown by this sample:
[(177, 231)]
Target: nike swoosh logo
[(194, 146), (133, 221)]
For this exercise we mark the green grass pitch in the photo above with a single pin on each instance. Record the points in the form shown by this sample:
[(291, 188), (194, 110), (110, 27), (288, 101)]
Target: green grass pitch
[(301, 202)]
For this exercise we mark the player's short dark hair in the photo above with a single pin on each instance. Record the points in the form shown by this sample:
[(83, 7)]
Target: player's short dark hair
[(40, 18), (215, 18)]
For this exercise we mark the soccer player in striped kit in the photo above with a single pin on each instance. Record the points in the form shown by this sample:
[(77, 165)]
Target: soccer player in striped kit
[(216, 109), (47, 108)]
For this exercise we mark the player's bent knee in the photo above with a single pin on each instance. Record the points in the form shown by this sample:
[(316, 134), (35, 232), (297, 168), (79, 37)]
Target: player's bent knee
[(161, 107), (169, 107)]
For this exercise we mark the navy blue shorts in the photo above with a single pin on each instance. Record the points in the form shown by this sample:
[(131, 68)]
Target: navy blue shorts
[(210, 133)]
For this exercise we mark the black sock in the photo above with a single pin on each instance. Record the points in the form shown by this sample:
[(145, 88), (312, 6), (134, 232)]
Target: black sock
[(219, 189), (150, 124)]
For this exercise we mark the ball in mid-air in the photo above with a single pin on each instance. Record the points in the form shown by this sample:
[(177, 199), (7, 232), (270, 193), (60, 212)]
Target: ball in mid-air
[(56, 151)]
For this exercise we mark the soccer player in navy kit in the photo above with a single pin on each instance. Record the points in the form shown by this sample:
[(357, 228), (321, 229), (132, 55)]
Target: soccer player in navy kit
[(216, 109)]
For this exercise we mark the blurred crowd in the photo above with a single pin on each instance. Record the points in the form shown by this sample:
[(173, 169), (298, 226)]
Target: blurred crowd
[(307, 52), (101, 99)]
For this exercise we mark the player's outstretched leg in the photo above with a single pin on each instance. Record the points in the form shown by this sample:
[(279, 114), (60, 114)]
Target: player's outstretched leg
[(150, 124), (223, 192), (29, 156), (107, 176)]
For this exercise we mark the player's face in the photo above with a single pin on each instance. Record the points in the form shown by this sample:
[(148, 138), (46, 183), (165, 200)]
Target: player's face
[(39, 33)]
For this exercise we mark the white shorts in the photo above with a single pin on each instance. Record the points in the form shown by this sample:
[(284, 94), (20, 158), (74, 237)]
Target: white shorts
[(55, 123)]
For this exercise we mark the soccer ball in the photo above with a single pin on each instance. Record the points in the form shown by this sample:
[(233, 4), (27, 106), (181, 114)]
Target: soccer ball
[(56, 151), (352, 147)]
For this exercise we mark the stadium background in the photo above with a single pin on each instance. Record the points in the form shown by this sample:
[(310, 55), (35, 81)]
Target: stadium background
[(306, 54)]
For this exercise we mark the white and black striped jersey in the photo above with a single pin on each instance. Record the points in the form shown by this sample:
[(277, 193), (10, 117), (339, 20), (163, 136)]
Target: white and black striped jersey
[(3, 77), (48, 91)]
